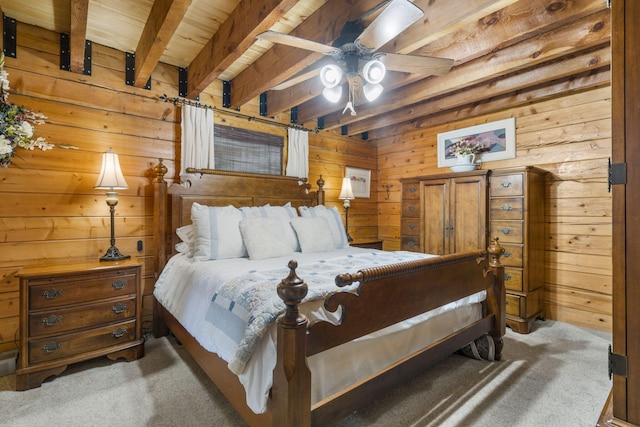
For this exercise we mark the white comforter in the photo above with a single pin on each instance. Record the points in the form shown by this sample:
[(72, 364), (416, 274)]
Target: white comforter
[(187, 288)]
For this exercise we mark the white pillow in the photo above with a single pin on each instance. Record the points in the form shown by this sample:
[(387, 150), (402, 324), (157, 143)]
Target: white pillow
[(334, 219), (264, 237), (285, 213), (313, 234), (217, 232), (187, 234)]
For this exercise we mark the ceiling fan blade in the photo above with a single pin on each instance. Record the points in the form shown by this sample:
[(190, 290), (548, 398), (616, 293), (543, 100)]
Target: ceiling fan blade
[(427, 65), (286, 39), (393, 20)]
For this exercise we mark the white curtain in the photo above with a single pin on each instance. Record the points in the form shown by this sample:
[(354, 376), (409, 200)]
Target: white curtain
[(197, 138), (298, 154)]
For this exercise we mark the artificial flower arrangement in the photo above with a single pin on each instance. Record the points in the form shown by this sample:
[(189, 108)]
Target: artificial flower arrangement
[(468, 145), (16, 124)]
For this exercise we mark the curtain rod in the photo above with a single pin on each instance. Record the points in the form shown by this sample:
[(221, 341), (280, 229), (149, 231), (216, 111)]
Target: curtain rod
[(176, 101)]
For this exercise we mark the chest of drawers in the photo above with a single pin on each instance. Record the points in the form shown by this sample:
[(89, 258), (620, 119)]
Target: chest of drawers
[(516, 213), (74, 312)]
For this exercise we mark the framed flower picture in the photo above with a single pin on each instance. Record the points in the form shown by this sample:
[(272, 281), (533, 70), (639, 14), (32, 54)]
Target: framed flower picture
[(494, 141), (360, 181)]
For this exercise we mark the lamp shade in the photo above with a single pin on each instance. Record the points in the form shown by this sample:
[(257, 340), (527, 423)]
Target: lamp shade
[(374, 71), (347, 192), (372, 91), (110, 177), (330, 75), (332, 94)]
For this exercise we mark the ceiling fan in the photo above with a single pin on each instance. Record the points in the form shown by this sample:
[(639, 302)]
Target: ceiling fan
[(358, 45)]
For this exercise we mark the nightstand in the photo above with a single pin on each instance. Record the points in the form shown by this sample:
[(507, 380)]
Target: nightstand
[(74, 312), (369, 244)]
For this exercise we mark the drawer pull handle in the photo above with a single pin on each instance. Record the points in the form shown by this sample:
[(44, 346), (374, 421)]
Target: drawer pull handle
[(506, 207), (51, 320), (119, 333), (506, 184), (411, 243), (507, 277), (506, 254), (52, 293), (51, 347), (119, 308), (505, 230), (412, 189), (411, 208), (412, 226), (119, 284)]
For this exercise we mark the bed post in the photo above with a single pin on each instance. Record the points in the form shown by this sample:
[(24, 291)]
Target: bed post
[(496, 296), (160, 225), (291, 391), (320, 192)]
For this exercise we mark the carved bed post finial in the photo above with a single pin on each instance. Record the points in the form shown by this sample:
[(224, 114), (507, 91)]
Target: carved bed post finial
[(292, 291), (160, 170), (495, 252), (320, 183)]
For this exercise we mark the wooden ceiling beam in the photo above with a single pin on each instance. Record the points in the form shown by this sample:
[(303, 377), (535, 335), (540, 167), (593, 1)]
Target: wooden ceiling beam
[(582, 82), (164, 18), (79, 10), (481, 37), (280, 62), (516, 83), (234, 37), (588, 32)]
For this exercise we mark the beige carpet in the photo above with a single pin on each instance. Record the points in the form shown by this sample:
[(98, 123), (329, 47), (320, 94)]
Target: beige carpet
[(555, 376)]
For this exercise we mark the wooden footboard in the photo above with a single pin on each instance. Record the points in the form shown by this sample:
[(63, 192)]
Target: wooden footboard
[(386, 295)]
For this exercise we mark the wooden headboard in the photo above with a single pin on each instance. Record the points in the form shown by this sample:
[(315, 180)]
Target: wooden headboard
[(172, 204)]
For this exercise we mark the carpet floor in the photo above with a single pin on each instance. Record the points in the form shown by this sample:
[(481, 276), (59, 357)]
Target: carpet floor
[(555, 376)]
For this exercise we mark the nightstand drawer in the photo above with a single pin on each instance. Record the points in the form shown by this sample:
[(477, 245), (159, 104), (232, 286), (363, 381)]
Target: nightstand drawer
[(58, 347), (53, 322), (373, 244), (60, 291)]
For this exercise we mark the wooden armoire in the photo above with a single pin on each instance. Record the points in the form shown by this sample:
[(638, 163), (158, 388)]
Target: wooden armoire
[(623, 406)]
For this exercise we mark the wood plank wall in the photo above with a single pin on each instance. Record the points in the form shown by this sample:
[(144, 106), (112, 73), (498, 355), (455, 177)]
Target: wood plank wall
[(568, 136), (50, 210)]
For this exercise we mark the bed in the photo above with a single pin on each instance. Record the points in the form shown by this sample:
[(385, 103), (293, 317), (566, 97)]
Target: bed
[(389, 299)]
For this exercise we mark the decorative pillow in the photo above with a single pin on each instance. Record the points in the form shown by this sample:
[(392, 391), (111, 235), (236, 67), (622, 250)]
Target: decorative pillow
[(188, 236), (264, 237), (313, 234), (285, 213), (217, 232), (334, 219)]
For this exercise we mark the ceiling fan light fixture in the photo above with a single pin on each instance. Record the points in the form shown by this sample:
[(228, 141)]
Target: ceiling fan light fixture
[(330, 75), (372, 91), (374, 71), (332, 94)]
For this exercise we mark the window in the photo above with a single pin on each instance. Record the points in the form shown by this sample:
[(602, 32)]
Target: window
[(243, 150)]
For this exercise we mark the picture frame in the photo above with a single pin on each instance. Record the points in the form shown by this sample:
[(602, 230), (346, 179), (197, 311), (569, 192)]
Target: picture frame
[(360, 181), (500, 134)]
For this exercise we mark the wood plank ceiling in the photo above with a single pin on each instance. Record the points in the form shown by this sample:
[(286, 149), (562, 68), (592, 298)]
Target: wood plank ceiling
[(506, 52)]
